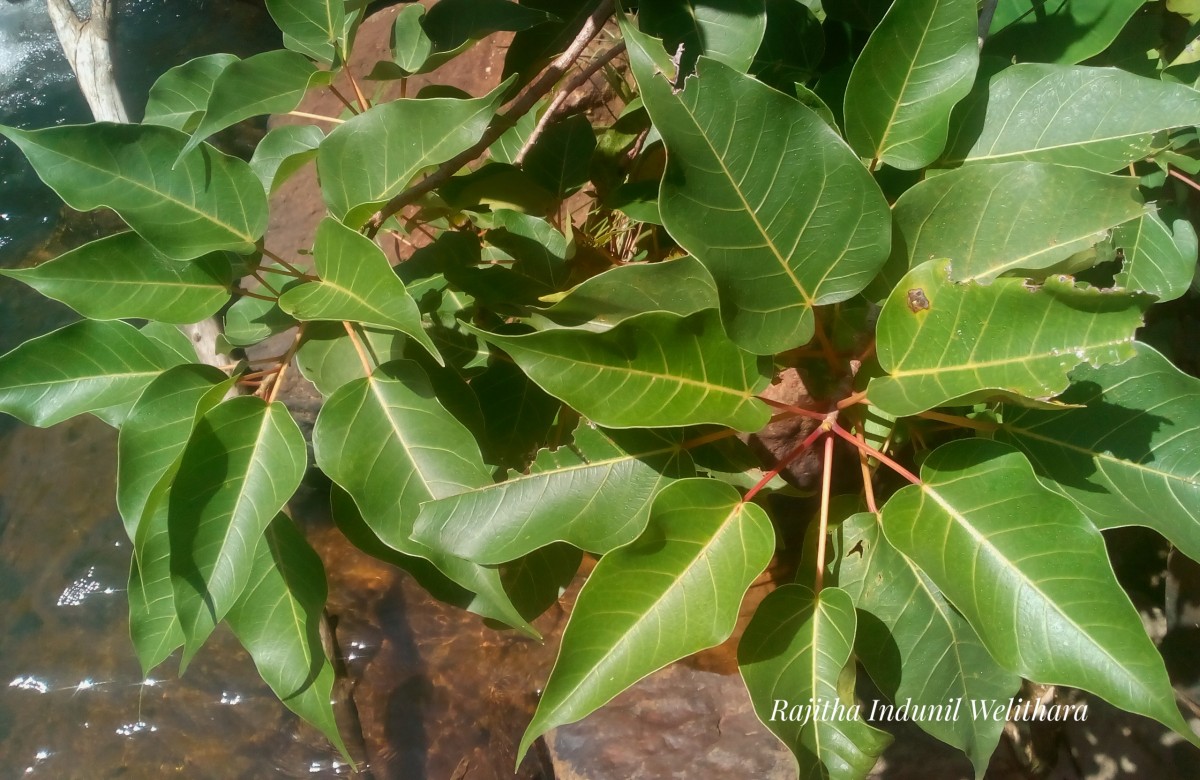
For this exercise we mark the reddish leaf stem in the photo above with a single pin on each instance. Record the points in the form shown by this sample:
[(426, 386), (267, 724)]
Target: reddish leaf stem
[(782, 464), (874, 453), (342, 99), (809, 413)]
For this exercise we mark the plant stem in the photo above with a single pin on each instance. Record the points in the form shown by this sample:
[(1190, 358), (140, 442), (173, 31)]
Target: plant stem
[(296, 271), (519, 107), (868, 478), (809, 413), (249, 294), (852, 399), (277, 383), (362, 100), (782, 464), (342, 99), (822, 529), (1183, 178), (575, 83), (306, 115), (358, 347), (879, 456), (962, 422), (266, 284)]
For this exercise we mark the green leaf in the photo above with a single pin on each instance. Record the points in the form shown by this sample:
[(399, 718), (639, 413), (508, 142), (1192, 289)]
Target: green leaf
[(242, 463), (411, 45), (1155, 260), (656, 370), (996, 219), (594, 494), (796, 653), (537, 248), (1066, 32), (389, 443), (207, 202), (123, 276), (673, 592), (278, 619), (917, 65), (946, 342), (453, 23), (85, 367), (727, 32), (1031, 575), (792, 46), (681, 286), (315, 28), (283, 151), (154, 625), (328, 359), (914, 644), (273, 82), (1097, 118), (251, 320), (179, 96), (561, 157), (1127, 455), (784, 220), (376, 154), (173, 340), (537, 580), (155, 434), (357, 284)]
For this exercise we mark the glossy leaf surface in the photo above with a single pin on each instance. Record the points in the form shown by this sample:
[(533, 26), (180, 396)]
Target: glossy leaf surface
[(123, 276), (1157, 259), (208, 201), (594, 494), (1030, 573), (919, 62), (674, 591), (1021, 34), (784, 220), (995, 219), (616, 378), (357, 284), (84, 367), (796, 652), (942, 341), (1128, 455)]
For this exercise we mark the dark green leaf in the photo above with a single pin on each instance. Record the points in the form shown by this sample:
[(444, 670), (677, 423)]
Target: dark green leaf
[(1030, 574), (123, 276), (559, 160), (1066, 32), (179, 96), (537, 580), (728, 31), (792, 45)]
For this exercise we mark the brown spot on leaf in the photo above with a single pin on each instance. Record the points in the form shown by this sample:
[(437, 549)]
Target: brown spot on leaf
[(917, 300)]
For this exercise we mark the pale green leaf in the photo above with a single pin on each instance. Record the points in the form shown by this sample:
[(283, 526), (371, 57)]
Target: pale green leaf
[(376, 154), (85, 367), (1157, 259), (918, 63), (940, 658), (278, 619), (1097, 118), (357, 284), (154, 625), (1128, 455), (123, 276), (283, 151), (594, 494), (179, 96), (784, 220), (207, 202), (316, 28), (995, 219), (328, 359), (242, 463), (944, 342), (796, 653), (673, 592), (389, 443), (1031, 575), (654, 370), (251, 320), (726, 32)]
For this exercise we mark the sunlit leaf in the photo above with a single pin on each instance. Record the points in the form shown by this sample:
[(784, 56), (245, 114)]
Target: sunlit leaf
[(179, 96), (328, 359), (726, 32), (674, 591), (123, 276), (1157, 259), (796, 653), (594, 494), (919, 62), (655, 370), (783, 220), (208, 201), (315, 28), (84, 367), (1128, 455), (1066, 32), (283, 151), (1030, 574)]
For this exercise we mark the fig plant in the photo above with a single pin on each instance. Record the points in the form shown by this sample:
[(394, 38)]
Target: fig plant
[(900, 251)]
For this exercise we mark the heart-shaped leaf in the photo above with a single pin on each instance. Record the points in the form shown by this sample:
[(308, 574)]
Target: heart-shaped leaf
[(795, 658), (1030, 574), (357, 284), (673, 592), (918, 63), (618, 378), (784, 221), (943, 342)]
